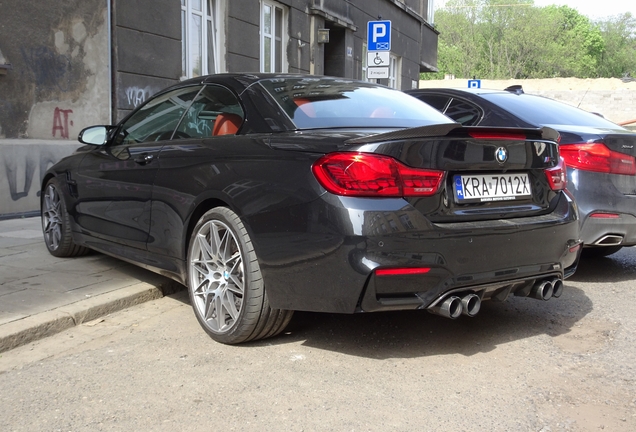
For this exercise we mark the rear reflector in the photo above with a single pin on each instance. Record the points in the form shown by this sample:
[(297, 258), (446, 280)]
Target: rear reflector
[(557, 176), (402, 271), (605, 215), (597, 157), (372, 175)]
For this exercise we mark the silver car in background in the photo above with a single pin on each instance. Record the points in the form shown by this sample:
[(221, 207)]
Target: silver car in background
[(599, 154)]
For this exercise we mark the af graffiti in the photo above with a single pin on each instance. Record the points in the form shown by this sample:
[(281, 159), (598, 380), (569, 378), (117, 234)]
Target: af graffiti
[(61, 122)]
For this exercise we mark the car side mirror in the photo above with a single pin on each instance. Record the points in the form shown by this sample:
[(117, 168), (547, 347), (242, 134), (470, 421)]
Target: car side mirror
[(94, 135)]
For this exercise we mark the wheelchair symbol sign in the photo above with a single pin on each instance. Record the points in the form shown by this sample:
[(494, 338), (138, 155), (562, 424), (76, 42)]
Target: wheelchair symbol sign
[(378, 58)]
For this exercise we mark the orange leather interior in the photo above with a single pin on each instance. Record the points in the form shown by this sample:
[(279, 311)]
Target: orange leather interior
[(306, 107), (226, 124)]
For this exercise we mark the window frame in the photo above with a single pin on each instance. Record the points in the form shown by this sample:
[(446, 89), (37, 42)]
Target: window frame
[(212, 43), (273, 35), (365, 51), (395, 71)]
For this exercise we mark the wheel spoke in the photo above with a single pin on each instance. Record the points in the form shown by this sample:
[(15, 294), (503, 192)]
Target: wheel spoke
[(215, 242), (220, 315), (230, 306), (205, 247)]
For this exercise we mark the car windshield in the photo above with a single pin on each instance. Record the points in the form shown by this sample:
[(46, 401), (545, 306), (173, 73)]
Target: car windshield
[(543, 111), (330, 102)]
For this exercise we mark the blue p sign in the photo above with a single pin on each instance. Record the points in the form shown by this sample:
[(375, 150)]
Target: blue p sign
[(379, 36)]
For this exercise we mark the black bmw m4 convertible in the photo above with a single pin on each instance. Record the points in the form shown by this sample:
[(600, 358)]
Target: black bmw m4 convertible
[(266, 194)]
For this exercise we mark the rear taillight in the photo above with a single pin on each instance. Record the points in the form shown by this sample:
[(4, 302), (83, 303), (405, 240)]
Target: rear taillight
[(557, 176), (402, 271), (605, 215), (597, 157), (372, 175)]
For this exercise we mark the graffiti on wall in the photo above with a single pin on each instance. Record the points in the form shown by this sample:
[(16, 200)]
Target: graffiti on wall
[(138, 95), (61, 122), (32, 163), (50, 69)]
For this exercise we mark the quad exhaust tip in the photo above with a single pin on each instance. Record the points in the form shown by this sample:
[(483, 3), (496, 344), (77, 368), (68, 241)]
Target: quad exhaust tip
[(452, 307), (470, 304), (546, 289)]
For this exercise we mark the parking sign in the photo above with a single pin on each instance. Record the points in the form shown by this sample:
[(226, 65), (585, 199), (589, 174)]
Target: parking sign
[(379, 36)]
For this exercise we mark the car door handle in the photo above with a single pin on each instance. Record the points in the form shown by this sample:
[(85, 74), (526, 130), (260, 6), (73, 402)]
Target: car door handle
[(144, 159)]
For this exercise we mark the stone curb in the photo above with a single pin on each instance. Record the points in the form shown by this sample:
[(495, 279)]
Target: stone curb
[(32, 328)]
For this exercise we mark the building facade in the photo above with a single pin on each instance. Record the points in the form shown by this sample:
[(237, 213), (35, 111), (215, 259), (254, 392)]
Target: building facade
[(68, 65)]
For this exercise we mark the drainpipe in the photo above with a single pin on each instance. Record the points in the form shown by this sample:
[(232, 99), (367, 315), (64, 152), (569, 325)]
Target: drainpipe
[(111, 60)]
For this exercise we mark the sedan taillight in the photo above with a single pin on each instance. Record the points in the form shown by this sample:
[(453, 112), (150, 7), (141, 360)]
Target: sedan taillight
[(597, 157), (557, 176), (372, 175)]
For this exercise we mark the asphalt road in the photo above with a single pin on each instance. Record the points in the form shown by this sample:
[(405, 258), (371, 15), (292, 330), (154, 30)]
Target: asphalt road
[(526, 365)]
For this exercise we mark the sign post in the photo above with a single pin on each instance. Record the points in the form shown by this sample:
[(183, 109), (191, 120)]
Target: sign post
[(378, 48)]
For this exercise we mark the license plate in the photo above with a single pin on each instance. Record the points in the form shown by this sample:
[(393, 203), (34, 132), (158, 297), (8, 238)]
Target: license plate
[(491, 187)]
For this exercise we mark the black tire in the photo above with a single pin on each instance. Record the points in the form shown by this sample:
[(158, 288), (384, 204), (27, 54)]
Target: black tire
[(56, 225), (224, 275), (600, 251)]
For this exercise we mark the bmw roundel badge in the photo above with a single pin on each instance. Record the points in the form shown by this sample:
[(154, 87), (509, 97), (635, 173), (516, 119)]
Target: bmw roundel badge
[(502, 155)]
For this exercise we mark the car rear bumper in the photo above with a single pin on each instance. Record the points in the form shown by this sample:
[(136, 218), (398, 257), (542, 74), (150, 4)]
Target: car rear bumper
[(615, 231), (330, 264), (596, 195)]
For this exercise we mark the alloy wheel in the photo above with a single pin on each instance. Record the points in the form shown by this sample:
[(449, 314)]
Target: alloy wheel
[(52, 218), (217, 276)]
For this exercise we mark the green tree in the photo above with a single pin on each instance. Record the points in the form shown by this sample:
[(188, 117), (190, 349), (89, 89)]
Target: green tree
[(501, 39), (619, 57)]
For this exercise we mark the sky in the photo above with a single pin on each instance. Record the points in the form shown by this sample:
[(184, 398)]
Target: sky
[(593, 9)]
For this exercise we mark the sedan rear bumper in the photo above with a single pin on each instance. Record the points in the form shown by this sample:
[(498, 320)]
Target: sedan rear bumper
[(608, 217)]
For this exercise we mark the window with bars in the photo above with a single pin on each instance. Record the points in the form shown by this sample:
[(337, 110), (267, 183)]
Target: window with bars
[(201, 37), (273, 37)]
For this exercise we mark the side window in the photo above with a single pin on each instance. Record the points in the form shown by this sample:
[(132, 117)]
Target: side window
[(157, 119), (463, 112), (438, 102), (215, 111)]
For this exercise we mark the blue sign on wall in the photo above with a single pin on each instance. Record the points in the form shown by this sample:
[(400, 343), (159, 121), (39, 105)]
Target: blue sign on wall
[(379, 36)]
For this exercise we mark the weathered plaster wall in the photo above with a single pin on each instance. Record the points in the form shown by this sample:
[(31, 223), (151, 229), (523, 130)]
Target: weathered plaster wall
[(60, 81)]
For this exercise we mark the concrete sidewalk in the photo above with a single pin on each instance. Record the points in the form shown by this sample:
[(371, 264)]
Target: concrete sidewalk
[(41, 295)]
